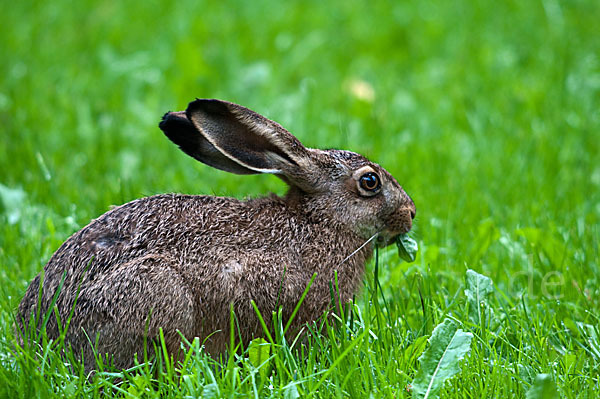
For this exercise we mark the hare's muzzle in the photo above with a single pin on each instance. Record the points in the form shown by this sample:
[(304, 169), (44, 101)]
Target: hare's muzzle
[(398, 223), (408, 213)]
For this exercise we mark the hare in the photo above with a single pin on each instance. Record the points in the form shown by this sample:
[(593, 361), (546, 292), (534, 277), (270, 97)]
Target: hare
[(178, 262)]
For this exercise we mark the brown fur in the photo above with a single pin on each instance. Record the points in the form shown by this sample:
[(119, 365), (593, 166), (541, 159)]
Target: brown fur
[(179, 261)]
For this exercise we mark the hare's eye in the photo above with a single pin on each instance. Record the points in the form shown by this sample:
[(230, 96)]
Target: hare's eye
[(370, 182)]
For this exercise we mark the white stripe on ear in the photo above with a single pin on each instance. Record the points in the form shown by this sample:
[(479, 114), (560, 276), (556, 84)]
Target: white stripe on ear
[(245, 137)]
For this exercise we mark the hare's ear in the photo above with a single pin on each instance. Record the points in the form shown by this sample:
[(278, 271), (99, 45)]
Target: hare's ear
[(230, 137), (178, 128), (253, 141)]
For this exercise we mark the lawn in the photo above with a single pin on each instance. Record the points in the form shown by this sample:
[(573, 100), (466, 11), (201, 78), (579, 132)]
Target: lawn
[(488, 114)]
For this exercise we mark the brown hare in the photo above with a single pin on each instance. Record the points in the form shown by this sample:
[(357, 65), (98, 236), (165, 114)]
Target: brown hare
[(178, 262)]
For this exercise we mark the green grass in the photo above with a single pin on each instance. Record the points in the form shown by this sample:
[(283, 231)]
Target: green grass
[(487, 113)]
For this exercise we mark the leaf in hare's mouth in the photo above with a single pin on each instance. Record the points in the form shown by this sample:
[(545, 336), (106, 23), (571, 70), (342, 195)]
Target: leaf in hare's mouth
[(407, 247)]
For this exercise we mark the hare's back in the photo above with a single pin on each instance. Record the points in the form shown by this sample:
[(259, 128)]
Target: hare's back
[(157, 225)]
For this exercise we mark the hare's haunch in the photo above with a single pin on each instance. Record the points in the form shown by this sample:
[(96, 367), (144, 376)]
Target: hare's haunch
[(178, 262)]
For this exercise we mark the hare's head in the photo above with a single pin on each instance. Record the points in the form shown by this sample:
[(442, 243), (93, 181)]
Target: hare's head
[(331, 185)]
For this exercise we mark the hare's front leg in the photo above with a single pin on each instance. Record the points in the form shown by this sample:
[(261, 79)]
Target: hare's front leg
[(124, 309)]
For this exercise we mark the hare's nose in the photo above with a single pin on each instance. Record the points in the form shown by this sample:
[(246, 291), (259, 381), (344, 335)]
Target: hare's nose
[(411, 207)]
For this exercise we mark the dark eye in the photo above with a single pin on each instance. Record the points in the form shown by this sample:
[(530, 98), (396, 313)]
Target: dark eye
[(370, 182)]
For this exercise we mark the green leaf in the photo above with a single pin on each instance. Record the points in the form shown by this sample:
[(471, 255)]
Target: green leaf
[(211, 391), (574, 362), (447, 346), (543, 388), (138, 385), (479, 287), (572, 326), (291, 392), (258, 353), (407, 248)]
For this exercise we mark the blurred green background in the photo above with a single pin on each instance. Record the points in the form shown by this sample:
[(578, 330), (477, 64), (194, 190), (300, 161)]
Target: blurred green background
[(486, 112)]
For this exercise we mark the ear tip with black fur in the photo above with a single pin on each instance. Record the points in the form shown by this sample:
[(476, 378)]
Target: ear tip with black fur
[(208, 105)]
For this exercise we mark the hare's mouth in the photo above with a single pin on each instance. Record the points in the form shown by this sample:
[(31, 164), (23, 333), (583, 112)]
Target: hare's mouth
[(385, 240), (389, 237)]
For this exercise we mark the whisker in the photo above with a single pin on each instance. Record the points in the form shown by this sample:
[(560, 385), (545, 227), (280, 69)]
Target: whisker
[(359, 248)]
